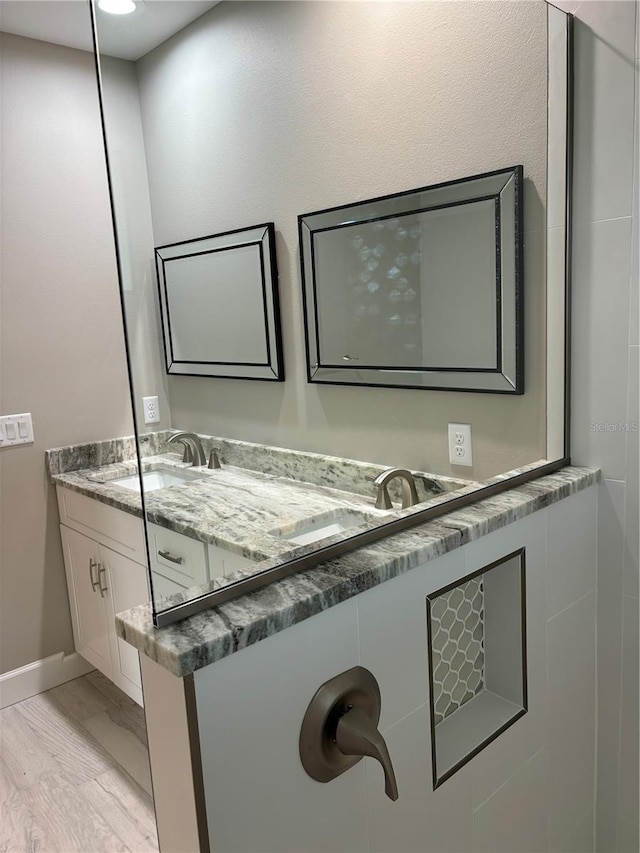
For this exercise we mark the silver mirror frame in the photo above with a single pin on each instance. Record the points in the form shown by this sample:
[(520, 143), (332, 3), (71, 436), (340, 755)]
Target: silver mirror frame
[(557, 433), (259, 238), (503, 190)]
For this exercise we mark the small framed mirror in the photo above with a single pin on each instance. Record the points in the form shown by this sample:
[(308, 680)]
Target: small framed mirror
[(219, 305), (421, 289)]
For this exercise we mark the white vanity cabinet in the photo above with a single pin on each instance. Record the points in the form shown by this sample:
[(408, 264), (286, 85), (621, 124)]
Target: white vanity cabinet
[(104, 559), (105, 562)]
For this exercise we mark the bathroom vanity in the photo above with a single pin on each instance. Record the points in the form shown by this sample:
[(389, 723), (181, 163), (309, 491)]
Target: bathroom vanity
[(205, 527), (454, 622)]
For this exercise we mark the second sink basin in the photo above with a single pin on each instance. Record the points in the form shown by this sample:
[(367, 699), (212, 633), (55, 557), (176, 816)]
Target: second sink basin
[(160, 479), (327, 524)]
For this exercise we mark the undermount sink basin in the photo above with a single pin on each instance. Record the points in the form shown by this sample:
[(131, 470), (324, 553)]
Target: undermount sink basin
[(327, 524), (160, 479)]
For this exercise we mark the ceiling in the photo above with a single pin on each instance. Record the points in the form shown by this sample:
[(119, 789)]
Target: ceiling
[(67, 22)]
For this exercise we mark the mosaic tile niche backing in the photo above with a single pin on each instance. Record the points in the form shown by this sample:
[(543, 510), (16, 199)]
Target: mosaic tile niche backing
[(457, 631)]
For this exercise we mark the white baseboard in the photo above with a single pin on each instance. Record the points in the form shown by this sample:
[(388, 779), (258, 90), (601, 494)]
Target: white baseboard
[(39, 676)]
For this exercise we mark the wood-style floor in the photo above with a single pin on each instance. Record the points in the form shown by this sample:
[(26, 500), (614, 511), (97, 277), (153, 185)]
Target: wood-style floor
[(74, 772)]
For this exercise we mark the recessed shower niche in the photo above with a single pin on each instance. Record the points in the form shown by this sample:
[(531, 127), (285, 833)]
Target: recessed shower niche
[(476, 631)]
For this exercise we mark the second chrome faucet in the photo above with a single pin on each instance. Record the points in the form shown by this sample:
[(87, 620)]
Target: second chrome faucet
[(193, 450), (409, 491)]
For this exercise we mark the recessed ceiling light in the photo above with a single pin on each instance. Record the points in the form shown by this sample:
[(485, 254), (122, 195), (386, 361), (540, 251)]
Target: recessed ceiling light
[(117, 7)]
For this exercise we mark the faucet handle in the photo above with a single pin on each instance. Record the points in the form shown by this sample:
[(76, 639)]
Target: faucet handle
[(340, 726), (356, 734), (214, 459)]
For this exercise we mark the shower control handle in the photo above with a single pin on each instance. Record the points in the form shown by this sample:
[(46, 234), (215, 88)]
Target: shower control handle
[(340, 727), (356, 734)]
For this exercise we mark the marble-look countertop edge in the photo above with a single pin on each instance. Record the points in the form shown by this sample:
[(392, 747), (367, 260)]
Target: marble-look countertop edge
[(209, 636)]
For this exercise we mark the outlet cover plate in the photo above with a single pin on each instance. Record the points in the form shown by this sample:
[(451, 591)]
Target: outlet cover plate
[(151, 410), (460, 449)]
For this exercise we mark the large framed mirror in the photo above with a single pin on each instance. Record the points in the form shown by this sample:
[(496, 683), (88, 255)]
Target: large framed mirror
[(420, 289), (219, 305), (244, 112)]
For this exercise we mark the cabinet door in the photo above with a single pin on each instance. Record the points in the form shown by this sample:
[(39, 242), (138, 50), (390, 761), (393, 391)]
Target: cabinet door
[(126, 584), (88, 615)]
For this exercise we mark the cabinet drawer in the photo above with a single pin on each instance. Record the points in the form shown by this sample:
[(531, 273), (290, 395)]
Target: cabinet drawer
[(111, 527), (177, 557), (163, 587)]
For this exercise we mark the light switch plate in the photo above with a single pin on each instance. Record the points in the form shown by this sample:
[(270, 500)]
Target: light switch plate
[(16, 429)]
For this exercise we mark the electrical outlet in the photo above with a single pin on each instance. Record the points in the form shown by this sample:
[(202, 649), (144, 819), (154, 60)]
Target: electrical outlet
[(460, 450), (151, 410)]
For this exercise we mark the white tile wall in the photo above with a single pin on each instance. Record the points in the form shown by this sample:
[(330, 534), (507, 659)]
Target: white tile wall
[(609, 613), (250, 709), (603, 109), (502, 758), (571, 566), (513, 819), (571, 737), (610, 552), (530, 789), (628, 792), (422, 819), (382, 646), (601, 273), (605, 374), (630, 559), (627, 838)]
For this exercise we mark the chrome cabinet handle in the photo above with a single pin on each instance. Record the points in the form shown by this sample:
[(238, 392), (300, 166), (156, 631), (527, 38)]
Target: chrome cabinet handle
[(95, 584), (101, 571), (169, 556)]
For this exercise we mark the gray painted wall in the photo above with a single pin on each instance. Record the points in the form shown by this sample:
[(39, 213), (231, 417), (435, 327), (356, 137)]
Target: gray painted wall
[(62, 354), (247, 117)]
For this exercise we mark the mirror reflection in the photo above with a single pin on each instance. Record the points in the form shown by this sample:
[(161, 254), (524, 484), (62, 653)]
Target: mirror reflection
[(260, 111), (420, 289), (219, 305)]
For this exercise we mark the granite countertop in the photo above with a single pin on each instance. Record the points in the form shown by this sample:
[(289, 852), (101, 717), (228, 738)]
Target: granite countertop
[(243, 511), (249, 512), (207, 637)]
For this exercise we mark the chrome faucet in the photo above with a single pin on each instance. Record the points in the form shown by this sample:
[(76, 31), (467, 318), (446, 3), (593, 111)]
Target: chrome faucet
[(193, 450), (409, 492)]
